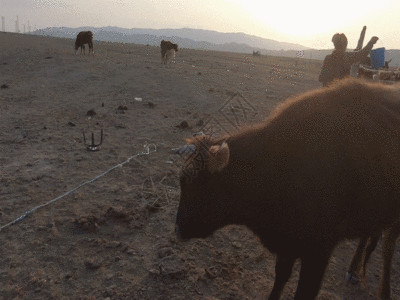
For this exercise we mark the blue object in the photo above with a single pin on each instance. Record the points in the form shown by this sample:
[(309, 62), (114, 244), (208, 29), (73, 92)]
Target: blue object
[(377, 58)]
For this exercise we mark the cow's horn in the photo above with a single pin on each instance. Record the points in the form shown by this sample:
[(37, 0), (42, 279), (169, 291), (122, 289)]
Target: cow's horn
[(200, 133), (185, 150), (219, 158)]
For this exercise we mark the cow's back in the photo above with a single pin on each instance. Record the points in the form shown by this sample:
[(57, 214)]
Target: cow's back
[(328, 161)]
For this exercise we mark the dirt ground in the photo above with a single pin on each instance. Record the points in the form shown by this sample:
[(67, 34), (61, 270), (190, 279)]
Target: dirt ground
[(113, 238)]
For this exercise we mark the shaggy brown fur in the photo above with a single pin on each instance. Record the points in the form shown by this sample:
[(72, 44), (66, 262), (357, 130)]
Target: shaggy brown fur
[(324, 167)]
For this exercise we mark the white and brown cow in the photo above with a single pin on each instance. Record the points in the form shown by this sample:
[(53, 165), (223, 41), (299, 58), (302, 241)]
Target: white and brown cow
[(168, 50)]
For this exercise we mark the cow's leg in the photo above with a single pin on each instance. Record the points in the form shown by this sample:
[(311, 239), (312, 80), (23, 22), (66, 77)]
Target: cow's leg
[(356, 261), (388, 247), (312, 271), (373, 242), (283, 270)]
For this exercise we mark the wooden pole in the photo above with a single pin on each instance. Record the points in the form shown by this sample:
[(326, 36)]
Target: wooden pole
[(355, 67), (361, 40)]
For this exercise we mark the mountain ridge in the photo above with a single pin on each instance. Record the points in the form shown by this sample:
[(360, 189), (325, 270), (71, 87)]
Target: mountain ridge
[(201, 39), (196, 35)]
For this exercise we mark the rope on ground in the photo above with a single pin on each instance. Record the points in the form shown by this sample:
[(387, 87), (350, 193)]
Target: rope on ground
[(145, 152)]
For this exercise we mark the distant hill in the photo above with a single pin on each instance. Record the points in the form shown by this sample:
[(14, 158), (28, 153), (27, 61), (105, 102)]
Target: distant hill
[(394, 55), (219, 38), (202, 40), (195, 38)]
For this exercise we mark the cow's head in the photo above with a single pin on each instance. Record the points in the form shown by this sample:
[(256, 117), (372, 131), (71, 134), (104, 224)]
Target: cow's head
[(203, 202), (77, 44)]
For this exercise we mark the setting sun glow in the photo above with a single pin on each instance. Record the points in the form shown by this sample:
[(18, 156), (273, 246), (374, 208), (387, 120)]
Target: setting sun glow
[(310, 23), (307, 18)]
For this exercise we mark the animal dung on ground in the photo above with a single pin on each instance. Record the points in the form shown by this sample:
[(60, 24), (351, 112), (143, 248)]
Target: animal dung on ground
[(91, 113), (200, 123), (116, 213), (184, 124), (120, 109), (151, 104), (85, 224), (93, 264)]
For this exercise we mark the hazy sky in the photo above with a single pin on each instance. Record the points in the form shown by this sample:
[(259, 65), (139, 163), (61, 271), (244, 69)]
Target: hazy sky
[(309, 23)]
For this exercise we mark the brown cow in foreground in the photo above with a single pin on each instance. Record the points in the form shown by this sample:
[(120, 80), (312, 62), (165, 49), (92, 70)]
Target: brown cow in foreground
[(324, 167), (84, 37), (167, 46)]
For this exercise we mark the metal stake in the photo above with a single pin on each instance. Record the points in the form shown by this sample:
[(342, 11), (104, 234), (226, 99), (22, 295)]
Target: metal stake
[(93, 147)]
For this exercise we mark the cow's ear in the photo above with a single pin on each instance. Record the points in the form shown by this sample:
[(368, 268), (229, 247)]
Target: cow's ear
[(218, 158)]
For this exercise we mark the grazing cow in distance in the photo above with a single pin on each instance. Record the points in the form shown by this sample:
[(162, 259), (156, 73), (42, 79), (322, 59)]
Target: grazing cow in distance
[(363, 250), (165, 46), (84, 37), (324, 167)]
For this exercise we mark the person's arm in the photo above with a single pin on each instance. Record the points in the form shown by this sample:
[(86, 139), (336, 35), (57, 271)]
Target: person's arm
[(361, 55)]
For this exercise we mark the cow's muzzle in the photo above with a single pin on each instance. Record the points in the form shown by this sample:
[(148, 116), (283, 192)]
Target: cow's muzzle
[(185, 150)]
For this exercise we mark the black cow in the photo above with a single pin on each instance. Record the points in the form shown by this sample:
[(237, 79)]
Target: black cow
[(166, 46), (324, 167), (84, 37)]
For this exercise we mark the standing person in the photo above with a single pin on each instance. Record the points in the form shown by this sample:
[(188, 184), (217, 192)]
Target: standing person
[(337, 65)]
